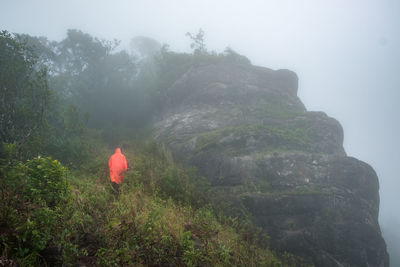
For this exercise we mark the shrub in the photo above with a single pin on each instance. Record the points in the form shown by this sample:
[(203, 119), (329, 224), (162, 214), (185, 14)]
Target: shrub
[(32, 211), (46, 181)]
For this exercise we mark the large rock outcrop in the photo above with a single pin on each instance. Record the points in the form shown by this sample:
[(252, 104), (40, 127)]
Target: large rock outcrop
[(246, 130)]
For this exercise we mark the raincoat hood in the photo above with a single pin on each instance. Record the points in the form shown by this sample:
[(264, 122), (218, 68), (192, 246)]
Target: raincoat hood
[(118, 150)]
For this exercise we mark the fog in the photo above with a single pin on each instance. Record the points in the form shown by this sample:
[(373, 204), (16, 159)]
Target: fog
[(346, 54)]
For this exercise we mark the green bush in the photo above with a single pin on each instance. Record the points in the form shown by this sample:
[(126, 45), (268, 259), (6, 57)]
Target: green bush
[(33, 208), (46, 181), (173, 183)]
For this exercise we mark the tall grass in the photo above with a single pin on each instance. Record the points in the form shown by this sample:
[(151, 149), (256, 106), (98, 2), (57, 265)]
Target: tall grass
[(162, 216)]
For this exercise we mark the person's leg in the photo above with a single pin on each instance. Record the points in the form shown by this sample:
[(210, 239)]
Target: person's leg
[(115, 187)]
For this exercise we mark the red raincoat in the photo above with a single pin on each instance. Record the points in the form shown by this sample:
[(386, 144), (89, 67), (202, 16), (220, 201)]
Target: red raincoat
[(117, 165)]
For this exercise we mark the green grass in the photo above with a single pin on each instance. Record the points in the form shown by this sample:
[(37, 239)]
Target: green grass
[(274, 109), (162, 216), (303, 190), (282, 137)]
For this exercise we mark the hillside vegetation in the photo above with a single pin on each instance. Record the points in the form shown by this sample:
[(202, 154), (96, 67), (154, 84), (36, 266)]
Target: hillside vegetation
[(67, 103), (163, 216)]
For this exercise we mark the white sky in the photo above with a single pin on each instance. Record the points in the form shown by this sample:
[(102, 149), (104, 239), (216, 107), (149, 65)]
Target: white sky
[(345, 52)]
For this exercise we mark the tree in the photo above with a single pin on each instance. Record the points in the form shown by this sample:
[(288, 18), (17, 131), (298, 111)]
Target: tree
[(45, 51), (144, 47), (24, 91), (197, 44)]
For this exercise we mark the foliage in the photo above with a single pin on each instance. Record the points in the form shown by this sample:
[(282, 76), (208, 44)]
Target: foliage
[(98, 81), (117, 93), (46, 181), (63, 99), (198, 44), (159, 174), (33, 194), (144, 47), (34, 116), (24, 91), (146, 224)]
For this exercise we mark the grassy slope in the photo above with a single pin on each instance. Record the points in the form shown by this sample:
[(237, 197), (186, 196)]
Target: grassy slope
[(144, 225), (161, 217)]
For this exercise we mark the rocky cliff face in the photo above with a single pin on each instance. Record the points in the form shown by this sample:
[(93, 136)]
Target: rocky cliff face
[(246, 130)]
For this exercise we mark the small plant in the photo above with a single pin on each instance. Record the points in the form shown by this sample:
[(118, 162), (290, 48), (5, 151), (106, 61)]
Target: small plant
[(191, 255), (46, 181)]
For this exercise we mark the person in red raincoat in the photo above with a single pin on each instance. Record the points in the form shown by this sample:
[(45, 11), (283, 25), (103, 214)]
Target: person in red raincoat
[(117, 165)]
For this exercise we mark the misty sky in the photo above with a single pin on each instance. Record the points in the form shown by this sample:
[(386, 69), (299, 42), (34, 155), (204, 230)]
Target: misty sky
[(345, 52)]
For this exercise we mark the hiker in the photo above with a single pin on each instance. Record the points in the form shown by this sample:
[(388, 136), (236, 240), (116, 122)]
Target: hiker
[(117, 165)]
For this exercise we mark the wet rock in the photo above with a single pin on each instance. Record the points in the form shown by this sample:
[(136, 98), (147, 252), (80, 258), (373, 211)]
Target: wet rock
[(243, 125)]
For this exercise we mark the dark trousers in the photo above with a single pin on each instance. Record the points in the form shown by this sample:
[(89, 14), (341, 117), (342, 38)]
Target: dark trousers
[(115, 186)]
